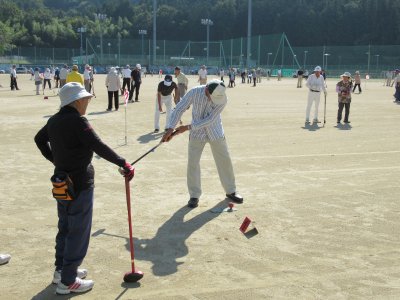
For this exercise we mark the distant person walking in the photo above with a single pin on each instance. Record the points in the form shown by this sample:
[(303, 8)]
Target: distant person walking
[(183, 82), (75, 76), (13, 78), (126, 81), (231, 76), (300, 73), (202, 75), (254, 75), (243, 76), (164, 96), (316, 84), (343, 88), (47, 79), (113, 84), (279, 75), (222, 74), (357, 82), (63, 75), (396, 83), (38, 80), (87, 78), (57, 77), (136, 81)]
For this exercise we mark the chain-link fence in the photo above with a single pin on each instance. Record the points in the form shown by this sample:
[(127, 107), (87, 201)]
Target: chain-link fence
[(267, 51)]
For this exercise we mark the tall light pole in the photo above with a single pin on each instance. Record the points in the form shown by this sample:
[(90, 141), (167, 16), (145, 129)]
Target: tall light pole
[(294, 57), (142, 32), (269, 54), (81, 30), (101, 17), (109, 47), (305, 59), (208, 23), (369, 57), (154, 32), (249, 22), (326, 59), (377, 61)]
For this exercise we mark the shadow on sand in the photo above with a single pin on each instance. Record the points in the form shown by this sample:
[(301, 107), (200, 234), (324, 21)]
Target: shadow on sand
[(148, 137), (312, 127), (345, 126), (168, 244)]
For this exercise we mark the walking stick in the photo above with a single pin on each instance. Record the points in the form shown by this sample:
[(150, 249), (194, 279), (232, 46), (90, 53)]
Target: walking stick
[(324, 110)]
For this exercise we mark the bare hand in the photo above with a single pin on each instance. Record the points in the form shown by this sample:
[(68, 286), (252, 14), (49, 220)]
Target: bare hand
[(167, 136)]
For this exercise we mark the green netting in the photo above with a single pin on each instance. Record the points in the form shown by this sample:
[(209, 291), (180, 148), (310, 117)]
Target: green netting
[(267, 51)]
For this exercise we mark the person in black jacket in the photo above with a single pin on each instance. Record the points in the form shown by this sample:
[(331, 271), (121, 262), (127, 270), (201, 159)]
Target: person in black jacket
[(135, 83), (68, 142)]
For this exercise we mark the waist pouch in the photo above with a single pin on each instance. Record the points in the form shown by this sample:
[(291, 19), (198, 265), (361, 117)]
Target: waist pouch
[(63, 188)]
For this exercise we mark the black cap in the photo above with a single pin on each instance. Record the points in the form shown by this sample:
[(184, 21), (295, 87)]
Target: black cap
[(168, 78), (177, 68)]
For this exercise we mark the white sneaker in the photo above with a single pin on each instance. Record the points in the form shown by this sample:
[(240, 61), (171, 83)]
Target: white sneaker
[(79, 286), (82, 273), (4, 258)]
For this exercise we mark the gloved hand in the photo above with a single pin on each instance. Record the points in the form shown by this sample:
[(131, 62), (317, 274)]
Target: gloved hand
[(127, 171)]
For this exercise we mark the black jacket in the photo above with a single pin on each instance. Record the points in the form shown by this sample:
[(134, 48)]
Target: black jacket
[(68, 141)]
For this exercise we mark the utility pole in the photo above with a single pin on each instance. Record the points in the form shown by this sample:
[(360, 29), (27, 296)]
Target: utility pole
[(154, 31), (249, 21), (208, 23), (101, 17), (81, 30), (142, 32)]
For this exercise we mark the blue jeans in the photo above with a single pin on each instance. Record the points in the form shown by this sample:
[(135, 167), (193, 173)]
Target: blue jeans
[(72, 240)]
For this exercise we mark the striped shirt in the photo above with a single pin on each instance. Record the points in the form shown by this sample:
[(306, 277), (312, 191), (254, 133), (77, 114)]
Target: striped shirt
[(206, 116)]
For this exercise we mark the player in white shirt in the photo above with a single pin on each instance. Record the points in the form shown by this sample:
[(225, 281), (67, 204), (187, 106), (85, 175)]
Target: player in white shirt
[(316, 84)]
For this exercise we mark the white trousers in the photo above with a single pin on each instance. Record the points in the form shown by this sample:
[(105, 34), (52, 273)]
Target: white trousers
[(222, 160), (167, 101), (313, 97)]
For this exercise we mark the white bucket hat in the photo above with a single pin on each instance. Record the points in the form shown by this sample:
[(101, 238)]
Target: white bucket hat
[(317, 69), (138, 66), (71, 92), (217, 92), (346, 74)]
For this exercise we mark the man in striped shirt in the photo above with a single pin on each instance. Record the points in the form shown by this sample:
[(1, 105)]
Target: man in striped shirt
[(207, 103)]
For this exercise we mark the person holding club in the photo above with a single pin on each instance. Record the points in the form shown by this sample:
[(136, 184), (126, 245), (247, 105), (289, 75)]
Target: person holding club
[(344, 89), (207, 101), (315, 84), (68, 142), (164, 95)]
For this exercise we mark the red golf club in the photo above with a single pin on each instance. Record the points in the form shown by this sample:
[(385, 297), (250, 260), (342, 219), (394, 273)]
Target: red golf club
[(135, 275)]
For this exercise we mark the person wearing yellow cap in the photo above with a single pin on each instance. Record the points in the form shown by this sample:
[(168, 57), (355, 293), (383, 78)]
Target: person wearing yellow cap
[(75, 76)]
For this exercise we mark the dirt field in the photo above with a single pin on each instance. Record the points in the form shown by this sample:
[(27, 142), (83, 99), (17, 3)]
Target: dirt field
[(325, 200)]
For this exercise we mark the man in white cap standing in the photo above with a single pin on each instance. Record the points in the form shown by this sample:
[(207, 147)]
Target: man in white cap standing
[(202, 75), (315, 84), (68, 142), (87, 78), (126, 81), (135, 83), (207, 101)]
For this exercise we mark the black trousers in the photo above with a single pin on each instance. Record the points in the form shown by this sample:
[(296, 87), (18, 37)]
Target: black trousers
[(134, 88), (359, 87), (126, 82), (254, 81), (110, 99), (13, 83), (44, 84), (340, 110)]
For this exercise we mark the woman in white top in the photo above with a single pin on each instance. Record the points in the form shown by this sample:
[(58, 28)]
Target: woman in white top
[(113, 84), (47, 78), (38, 80)]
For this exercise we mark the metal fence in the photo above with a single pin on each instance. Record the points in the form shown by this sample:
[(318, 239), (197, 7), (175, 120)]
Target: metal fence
[(267, 51)]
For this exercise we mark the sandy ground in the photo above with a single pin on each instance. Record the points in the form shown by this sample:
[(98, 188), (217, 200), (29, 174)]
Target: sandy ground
[(325, 201)]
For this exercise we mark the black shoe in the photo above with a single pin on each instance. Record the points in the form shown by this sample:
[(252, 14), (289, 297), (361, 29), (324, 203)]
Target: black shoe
[(235, 197), (347, 122), (108, 109), (137, 100), (193, 202), (338, 121), (156, 130)]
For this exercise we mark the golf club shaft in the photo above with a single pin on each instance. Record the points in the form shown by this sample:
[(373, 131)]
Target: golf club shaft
[(128, 204), (151, 150), (325, 110)]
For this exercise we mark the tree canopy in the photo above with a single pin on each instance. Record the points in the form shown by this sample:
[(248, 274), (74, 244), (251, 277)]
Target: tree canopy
[(49, 23)]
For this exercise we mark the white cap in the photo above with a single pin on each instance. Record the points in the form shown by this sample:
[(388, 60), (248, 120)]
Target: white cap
[(346, 74), (138, 66), (217, 91), (71, 92), (317, 69)]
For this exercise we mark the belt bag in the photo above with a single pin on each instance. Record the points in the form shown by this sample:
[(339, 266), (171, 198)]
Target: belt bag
[(63, 188)]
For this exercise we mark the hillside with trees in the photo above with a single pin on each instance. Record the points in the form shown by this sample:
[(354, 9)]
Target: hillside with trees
[(49, 23)]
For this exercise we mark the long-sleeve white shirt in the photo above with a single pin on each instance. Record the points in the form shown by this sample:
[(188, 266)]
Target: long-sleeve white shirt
[(206, 116), (316, 83), (126, 73)]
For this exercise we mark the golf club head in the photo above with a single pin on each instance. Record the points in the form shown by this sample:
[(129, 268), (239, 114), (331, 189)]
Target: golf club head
[(133, 276)]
